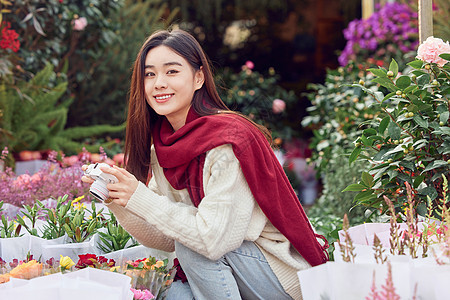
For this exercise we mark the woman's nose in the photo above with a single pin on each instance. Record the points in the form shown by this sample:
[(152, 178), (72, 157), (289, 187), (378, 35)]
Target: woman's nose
[(160, 82)]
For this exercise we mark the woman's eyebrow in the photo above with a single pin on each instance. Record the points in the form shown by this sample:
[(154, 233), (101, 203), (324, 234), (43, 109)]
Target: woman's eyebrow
[(171, 63)]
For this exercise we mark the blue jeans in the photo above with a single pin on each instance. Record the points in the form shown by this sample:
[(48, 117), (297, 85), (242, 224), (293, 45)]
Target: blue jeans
[(240, 274)]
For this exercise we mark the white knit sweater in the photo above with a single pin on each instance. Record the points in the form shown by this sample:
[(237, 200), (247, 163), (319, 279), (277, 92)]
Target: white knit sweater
[(227, 215)]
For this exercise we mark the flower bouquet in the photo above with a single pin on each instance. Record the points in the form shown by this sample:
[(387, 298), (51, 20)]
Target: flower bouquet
[(23, 270), (150, 275)]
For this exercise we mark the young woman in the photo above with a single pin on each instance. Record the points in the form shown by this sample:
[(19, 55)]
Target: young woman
[(217, 194)]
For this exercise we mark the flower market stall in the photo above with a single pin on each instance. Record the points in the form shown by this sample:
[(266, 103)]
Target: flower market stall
[(381, 128)]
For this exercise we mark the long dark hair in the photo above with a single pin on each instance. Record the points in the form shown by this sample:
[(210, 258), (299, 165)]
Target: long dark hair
[(141, 117)]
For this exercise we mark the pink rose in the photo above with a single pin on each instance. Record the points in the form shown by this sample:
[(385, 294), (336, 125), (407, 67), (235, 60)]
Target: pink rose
[(79, 24), (430, 50), (249, 64), (278, 106)]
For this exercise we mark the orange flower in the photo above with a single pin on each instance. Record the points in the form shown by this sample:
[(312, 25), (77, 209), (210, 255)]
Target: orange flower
[(4, 277), (27, 270)]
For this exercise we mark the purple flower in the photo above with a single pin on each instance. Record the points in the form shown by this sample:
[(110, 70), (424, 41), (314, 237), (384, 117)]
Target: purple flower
[(390, 24)]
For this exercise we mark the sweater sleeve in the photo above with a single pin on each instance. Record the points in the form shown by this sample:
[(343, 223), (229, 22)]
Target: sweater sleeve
[(220, 222), (145, 233)]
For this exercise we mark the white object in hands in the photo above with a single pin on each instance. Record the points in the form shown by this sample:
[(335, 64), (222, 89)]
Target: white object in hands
[(98, 188)]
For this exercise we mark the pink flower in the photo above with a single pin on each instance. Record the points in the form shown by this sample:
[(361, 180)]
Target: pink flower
[(79, 24), (119, 159), (278, 106), (22, 180), (249, 64), (71, 160), (35, 178), (430, 50), (142, 294)]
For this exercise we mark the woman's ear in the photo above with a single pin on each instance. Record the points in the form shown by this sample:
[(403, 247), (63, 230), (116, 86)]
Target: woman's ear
[(199, 78)]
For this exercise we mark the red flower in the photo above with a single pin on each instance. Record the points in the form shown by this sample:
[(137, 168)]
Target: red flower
[(8, 38), (179, 275), (86, 260), (91, 260)]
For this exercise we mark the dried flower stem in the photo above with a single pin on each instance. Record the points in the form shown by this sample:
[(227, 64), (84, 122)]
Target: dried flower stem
[(394, 239), (378, 250), (347, 249), (388, 290)]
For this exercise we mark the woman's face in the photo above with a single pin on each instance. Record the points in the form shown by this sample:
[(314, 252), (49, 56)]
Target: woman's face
[(170, 83)]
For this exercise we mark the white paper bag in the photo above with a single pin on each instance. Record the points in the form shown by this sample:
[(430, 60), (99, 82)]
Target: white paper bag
[(347, 281)]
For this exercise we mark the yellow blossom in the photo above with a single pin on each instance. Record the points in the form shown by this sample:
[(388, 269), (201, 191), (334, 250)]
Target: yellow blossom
[(66, 262), (79, 206), (115, 269), (74, 201), (159, 264)]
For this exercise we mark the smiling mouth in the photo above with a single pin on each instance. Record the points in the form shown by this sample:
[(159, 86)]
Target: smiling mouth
[(163, 98)]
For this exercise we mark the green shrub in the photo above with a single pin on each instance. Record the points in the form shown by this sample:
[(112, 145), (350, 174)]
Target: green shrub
[(410, 141), (34, 119)]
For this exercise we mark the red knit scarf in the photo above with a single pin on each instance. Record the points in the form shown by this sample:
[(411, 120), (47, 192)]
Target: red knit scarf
[(182, 154)]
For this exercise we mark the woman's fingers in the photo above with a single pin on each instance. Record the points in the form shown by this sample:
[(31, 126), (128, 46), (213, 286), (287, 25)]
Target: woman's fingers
[(114, 171), (87, 179)]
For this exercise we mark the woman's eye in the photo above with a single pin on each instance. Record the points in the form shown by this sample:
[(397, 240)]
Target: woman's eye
[(148, 74), (172, 72)]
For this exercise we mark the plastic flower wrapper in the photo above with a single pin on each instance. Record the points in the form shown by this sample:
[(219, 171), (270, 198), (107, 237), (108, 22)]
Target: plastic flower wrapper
[(25, 270), (147, 274), (50, 266), (65, 263), (142, 294)]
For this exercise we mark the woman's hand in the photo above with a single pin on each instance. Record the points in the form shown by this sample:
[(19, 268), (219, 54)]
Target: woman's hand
[(85, 178), (121, 191)]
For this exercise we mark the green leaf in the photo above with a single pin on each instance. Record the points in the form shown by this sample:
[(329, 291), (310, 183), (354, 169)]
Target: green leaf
[(378, 72), (367, 179), (422, 209), (444, 116), (403, 82), (420, 121), (362, 196), (423, 79), (428, 191), (369, 132), (393, 66), (435, 164), (387, 83), (394, 131), (354, 155), (410, 89), (417, 64), (418, 180), (388, 96), (366, 142), (384, 124), (443, 130), (445, 56)]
